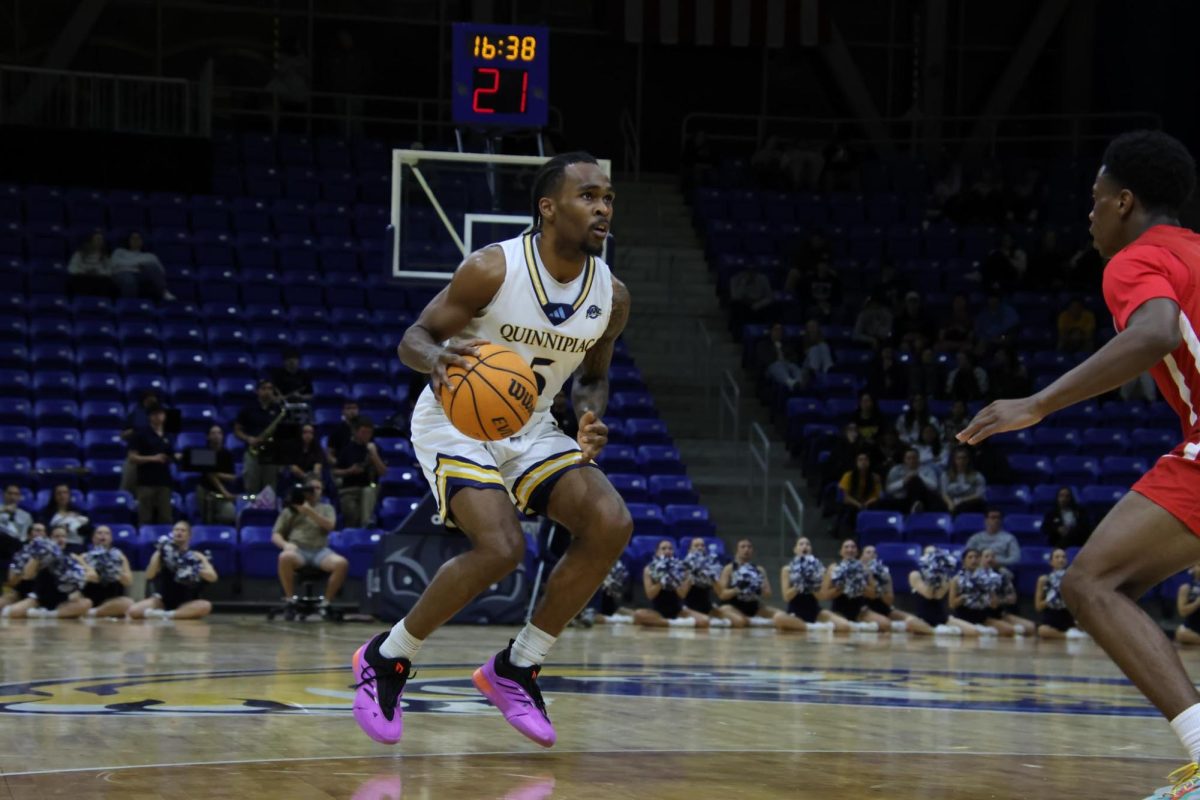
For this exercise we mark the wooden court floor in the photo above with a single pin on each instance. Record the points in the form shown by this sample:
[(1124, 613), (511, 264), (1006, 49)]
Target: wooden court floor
[(238, 707)]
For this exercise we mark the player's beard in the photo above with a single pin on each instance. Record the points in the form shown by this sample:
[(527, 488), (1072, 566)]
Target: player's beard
[(590, 249)]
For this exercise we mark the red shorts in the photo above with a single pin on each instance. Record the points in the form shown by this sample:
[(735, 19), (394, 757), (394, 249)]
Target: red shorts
[(1174, 483)]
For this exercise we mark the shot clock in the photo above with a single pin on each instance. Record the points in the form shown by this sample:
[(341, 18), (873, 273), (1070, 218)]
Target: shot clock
[(501, 75)]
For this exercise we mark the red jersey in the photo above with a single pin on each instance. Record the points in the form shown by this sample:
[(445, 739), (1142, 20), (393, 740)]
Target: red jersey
[(1165, 262)]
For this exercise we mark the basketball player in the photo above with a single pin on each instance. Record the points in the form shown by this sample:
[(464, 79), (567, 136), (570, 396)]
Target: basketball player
[(1150, 286), (547, 296)]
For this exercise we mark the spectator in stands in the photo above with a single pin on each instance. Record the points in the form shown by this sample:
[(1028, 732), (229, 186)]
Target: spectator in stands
[(1083, 270), (178, 575), (667, 582), (152, 452), (882, 599), (849, 584), (1008, 376), (963, 487), (135, 420), (889, 379), (301, 533), (1187, 604), (843, 452), (62, 512), (16, 587), (742, 587), (779, 358), (1058, 623), (564, 416), (138, 273), (112, 574), (997, 320), (858, 490), (924, 375), (993, 537), (822, 290), (912, 326), (1009, 605), (958, 330), (252, 422), (931, 583), (967, 381), (293, 384), (888, 451), (911, 486), (750, 297), (1076, 328), (932, 449), (310, 458), (818, 358), (1047, 262), (801, 581), (868, 417), (215, 497), (914, 419), (1067, 524), (1007, 267), (955, 421), (89, 270), (57, 577), (343, 432), (360, 467), (14, 523), (1023, 199), (973, 597), (873, 325)]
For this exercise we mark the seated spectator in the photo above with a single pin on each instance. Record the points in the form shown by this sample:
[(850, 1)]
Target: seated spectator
[(822, 290), (359, 467), (57, 578), (1187, 603), (847, 583), (1058, 623), (993, 537), (889, 378), (997, 320), (973, 597), (963, 487), (888, 451), (911, 486), (293, 384), (1007, 266), (614, 589), (966, 381), (341, 433), (112, 576), (215, 497), (1009, 607), (914, 419), (868, 417), (564, 416), (931, 449), (818, 358), (955, 421), (860, 489), (1068, 523), (1076, 328), (873, 325), (882, 600), (16, 586), (253, 421), (912, 327), (667, 583), (135, 420), (704, 570), (750, 297), (959, 329), (310, 458), (742, 587), (138, 273), (801, 580), (1008, 377), (14, 523), (931, 583), (774, 348), (301, 533), (843, 453), (178, 575), (61, 511), (153, 453), (924, 375), (1047, 262), (89, 271)]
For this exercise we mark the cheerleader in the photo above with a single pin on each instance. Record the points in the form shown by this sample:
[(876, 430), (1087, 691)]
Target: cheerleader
[(884, 601), (801, 580), (847, 583), (742, 587), (974, 599), (113, 576), (16, 587), (57, 577), (667, 582), (930, 582), (178, 574), (612, 592), (704, 568), (1057, 622), (1010, 607)]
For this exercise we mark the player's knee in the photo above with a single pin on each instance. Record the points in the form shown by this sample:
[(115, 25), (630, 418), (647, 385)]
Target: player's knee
[(507, 547), (613, 523)]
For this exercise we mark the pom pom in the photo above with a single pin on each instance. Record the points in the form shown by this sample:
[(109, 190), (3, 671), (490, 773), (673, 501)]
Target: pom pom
[(748, 581), (703, 566), (806, 573)]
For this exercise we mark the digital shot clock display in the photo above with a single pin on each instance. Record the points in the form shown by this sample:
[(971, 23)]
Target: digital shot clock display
[(500, 75)]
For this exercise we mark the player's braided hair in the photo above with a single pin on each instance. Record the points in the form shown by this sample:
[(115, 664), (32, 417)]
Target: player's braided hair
[(1156, 167), (549, 178)]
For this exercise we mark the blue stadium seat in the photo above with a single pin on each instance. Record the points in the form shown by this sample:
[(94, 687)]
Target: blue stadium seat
[(107, 387), (56, 385), (104, 473), (873, 527), (1031, 469), (965, 525), (1123, 469), (1077, 469), (647, 431), (671, 489), (1099, 499), (1056, 441), (98, 358), (631, 487), (103, 443), (632, 404), (221, 542), (688, 520), (403, 479), (53, 356), (359, 548), (1104, 440), (393, 510), (16, 441), (111, 506), (42, 498), (147, 540), (56, 413), (647, 519), (188, 389), (927, 527), (1010, 499), (894, 552), (641, 549), (659, 460), (257, 554), (136, 385), (1026, 527), (618, 458), (15, 411), (125, 540), (237, 391)]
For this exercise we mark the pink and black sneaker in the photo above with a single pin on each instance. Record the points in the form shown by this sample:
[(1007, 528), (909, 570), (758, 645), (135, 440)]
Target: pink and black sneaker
[(515, 692), (380, 680)]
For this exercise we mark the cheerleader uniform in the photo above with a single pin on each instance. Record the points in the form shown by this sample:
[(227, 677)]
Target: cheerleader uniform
[(851, 578), (1056, 614), (613, 588), (705, 570), (669, 573), (747, 579), (107, 563), (1006, 589), (178, 581), (805, 574), (976, 608), (60, 577), (932, 611), (668, 603), (883, 585), (936, 567)]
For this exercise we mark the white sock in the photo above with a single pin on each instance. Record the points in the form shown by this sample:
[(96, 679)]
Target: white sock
[(820, 626), (168, 615), (947, 630), (1076, 633), (91, 612), (620, 618), (531, 646), (1018, 631), (6, 611), (1187, 728), (865, 627), (984, 630), (899, 626), (682, 622), (400, 643), (719, 622)]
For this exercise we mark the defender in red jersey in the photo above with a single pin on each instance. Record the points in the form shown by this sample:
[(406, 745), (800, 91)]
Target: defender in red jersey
[(1152, 288)]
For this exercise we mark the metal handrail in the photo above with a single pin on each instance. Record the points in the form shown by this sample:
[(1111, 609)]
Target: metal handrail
[(791, 516), (731, 401), (632, 161), (759, 453), (704, 356)]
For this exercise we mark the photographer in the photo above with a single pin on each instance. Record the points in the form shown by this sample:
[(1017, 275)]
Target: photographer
[(177, 574), (214, 498), (359, 467), (302, 534)]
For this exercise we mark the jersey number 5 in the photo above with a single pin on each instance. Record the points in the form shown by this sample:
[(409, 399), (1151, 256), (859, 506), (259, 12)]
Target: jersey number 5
[(539, 377)]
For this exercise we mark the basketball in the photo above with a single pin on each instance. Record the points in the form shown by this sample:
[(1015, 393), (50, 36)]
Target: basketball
[(494, 397)]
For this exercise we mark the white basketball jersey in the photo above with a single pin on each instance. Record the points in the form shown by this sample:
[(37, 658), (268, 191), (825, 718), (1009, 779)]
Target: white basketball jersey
[(549, 324)]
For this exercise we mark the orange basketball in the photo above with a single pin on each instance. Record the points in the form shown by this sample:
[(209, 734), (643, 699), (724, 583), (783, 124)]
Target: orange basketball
[(494, 397)]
